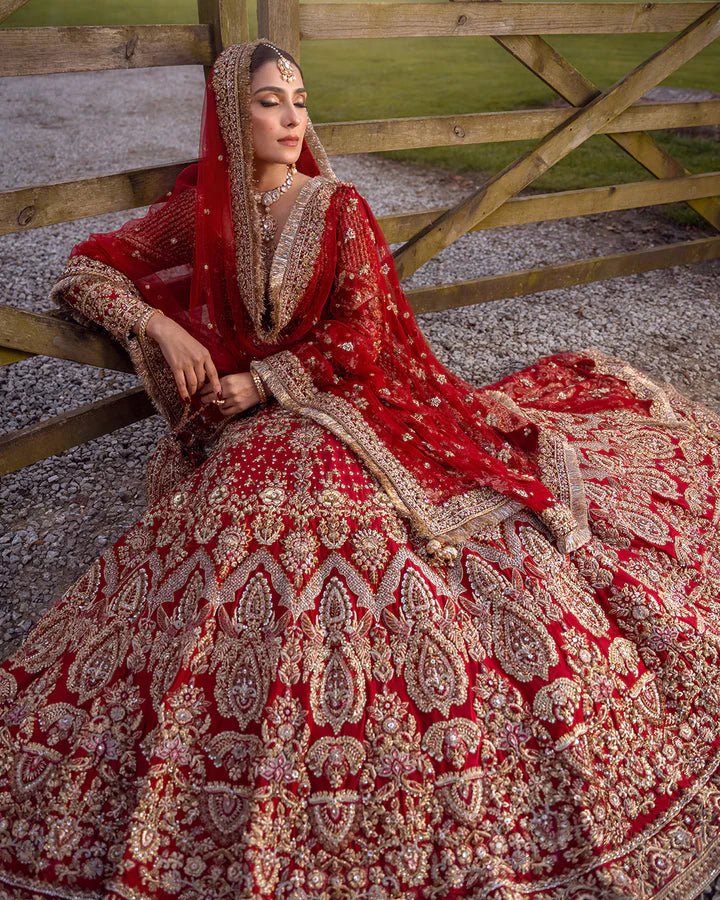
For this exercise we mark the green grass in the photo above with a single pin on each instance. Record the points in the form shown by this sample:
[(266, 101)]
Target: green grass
[(103, 12), (368, 79)]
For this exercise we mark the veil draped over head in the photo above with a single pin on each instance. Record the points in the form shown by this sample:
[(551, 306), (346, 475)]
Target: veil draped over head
[(196, 254), (329, 330)]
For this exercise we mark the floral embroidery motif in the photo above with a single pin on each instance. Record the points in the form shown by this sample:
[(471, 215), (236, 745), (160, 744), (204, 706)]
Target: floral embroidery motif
[(263, 661), (98, 293), (265, 687)]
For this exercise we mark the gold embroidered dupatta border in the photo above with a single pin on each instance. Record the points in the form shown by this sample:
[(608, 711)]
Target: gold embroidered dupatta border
[(296, 254), (231, 85)]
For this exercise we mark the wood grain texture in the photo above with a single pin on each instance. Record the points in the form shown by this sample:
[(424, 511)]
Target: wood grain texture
[(330, 21), (35, 333), (47, 204), (279, 22), (566, 204), (570, 84), (555, 146), (43, 51), (546, 278)]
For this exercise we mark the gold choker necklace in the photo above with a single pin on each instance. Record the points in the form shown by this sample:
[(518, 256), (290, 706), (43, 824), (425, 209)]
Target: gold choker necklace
[(265, 199), (269, 197)]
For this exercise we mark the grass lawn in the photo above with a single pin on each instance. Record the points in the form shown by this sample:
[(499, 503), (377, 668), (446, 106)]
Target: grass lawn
[(368, 79)]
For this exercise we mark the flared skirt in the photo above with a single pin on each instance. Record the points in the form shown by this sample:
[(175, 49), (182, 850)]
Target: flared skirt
[(266, 688)]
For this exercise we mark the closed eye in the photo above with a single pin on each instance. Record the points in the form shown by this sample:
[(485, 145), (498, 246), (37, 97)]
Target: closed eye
[(267, 103)]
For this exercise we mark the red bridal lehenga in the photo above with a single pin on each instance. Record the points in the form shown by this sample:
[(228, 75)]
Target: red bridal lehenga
[(387, 636)]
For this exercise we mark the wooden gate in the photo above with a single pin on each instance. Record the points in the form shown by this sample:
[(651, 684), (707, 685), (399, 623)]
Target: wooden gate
[(515, 26)]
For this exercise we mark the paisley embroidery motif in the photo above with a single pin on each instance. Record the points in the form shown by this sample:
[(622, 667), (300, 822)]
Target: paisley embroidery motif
[(225, 809), (521, 642), (96, 663), (33, 768), (462, 794), (335, 818), (206, 710), (337, 682)]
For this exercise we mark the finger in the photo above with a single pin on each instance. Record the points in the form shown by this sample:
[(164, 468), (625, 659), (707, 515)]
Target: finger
[(200, 373), (206, 390), (191, 379), (179, 376), (213, 377)]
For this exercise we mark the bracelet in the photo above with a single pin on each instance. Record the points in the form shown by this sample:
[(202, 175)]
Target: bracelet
[(260, 386), (145, 318)]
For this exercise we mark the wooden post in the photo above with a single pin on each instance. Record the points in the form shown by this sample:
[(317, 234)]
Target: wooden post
[(279, 22), (228, 20)]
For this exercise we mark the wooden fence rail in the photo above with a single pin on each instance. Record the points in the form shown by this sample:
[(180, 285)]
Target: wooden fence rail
[(618, 113), (89, 49), (40, 205)]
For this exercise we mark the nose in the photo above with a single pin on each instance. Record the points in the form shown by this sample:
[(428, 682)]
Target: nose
[(292, 116)]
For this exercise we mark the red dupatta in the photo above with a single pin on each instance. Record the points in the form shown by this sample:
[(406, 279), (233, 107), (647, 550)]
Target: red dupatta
[(328, 329)]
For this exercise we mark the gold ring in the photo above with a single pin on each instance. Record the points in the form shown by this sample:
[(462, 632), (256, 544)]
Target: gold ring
[(219, 402)]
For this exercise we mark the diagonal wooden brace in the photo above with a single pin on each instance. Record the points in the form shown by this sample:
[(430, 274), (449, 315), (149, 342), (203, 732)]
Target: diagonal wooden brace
[(558, 73), (8, 7), (451, 225)]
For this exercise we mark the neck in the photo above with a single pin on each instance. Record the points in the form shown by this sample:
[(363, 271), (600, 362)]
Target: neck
[(268, 175)]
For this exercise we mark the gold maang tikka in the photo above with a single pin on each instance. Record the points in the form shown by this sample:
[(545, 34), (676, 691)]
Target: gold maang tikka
[(287, 73)]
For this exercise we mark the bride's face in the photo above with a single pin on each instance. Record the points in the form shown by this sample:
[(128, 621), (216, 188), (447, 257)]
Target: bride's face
[(278, 111)]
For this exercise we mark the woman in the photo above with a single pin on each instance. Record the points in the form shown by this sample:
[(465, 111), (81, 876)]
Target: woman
[(379, 633)]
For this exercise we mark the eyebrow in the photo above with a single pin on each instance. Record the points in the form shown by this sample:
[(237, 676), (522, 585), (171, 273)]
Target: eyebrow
[(278, 90)]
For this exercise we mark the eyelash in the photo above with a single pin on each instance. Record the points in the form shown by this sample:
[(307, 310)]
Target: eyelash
[(299, 105)]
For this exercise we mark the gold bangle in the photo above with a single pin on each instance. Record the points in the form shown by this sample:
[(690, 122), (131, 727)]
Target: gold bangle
[(260, 386), (146, 316)]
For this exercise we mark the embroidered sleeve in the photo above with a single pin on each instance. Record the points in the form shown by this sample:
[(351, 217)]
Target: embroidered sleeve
[(347, 339), (96, 292), (165, 236)]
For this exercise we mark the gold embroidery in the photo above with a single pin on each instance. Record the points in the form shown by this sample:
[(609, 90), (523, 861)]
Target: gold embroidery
[(95, 292), (533, 722), (463, 516), (231, 84), (295, 256)]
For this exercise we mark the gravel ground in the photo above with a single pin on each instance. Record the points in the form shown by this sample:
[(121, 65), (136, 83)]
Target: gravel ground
[(56, 516)]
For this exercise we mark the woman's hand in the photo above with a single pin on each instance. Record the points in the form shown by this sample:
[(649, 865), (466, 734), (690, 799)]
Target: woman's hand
[(189, 360), (238, 392)]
